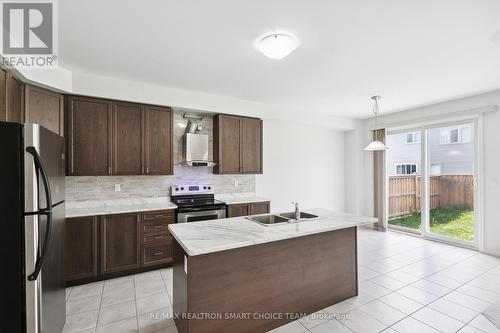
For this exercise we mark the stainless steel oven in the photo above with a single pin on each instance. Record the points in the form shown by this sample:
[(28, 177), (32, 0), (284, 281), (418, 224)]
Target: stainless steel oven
[(203, 215), (197, 203)]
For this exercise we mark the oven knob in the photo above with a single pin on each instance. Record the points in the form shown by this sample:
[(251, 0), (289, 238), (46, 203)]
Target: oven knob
[(209, 188), (177, 189), (204, 187), (182, 188)]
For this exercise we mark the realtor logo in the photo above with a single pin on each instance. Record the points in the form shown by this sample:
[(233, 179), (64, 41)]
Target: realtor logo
[(28, 33)]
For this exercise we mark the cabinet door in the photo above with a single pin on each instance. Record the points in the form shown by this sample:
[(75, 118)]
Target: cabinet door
[(120, 243), (227, 152), (80, 255), (88, 136), (3, 94), (259, 208), (45, 108), (15, 100), (251, 145), (238, 210), (127, 139), (158, 140)]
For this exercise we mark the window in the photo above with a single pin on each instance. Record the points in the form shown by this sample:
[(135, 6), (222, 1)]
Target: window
[(413, 137), (406, 169), (455, 135), (435, 169)]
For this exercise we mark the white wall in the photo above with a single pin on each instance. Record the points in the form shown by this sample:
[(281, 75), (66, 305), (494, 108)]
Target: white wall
[(302, 163), (490, 162), (136, 91)]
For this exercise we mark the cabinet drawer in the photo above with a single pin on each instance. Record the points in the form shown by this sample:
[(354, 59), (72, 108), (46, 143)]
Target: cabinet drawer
[(160, 237), (156, 254), (159, 215), (154, 226)]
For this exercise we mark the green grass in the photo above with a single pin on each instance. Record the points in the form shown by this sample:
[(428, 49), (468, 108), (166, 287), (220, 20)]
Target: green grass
[(452, 222)]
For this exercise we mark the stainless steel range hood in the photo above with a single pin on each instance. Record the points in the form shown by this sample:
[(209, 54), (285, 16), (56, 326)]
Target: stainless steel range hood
[(196, 146)]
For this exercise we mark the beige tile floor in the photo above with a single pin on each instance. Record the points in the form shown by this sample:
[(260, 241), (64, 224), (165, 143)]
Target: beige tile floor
[(406, 284)]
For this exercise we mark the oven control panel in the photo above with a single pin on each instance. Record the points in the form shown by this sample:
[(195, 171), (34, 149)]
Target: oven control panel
[(192, 189)]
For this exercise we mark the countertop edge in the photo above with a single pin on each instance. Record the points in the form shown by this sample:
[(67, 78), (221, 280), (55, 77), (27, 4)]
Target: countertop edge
[(266, 240), (100, 211)]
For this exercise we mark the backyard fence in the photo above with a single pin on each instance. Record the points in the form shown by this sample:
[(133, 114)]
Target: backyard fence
[(447, 191)]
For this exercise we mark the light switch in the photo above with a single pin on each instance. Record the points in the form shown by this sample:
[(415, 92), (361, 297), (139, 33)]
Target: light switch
[(118, 187), (236, 183)]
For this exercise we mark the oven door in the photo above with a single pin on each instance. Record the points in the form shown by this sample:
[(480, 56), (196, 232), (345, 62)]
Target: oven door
[(203, 215)]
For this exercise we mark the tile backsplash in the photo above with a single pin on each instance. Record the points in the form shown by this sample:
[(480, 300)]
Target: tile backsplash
[(85, 188)]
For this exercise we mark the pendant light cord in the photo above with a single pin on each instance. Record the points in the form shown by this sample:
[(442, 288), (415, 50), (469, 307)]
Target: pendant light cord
[(375, 111)]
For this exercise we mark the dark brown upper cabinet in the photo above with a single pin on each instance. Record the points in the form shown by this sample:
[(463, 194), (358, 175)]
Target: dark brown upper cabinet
[(11, 98), (127, 139), (89, 128), (118, 138), (158, 140), (237, 145), (44, 107), (120, 243), (251, 145)]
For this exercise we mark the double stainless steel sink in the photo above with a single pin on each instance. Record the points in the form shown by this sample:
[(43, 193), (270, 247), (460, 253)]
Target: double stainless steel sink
[(279, 219)]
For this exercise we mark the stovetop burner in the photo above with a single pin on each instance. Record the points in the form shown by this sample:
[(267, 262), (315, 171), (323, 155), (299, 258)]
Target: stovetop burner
[(195, 197), (192, 201)]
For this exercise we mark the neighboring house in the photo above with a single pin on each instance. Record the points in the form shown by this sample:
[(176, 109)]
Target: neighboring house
[(451, 151)]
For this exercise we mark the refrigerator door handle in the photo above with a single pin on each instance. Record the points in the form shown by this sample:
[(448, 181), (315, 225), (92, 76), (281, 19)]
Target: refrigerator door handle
[(44, 211)]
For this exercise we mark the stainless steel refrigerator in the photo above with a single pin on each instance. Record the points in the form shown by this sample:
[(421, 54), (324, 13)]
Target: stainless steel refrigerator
[(32, 228)]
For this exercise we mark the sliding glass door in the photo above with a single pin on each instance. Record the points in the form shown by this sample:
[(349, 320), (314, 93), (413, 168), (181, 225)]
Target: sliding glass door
[(404, 169), (450, 183), (431, 181)]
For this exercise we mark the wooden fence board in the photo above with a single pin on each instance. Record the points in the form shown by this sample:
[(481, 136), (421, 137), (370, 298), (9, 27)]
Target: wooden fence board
[(449, 191)]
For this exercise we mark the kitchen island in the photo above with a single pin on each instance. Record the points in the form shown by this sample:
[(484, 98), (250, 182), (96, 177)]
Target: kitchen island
[(235, 275)]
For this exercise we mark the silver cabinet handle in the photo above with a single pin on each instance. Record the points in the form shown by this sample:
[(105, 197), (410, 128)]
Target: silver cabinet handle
[(158, 253)]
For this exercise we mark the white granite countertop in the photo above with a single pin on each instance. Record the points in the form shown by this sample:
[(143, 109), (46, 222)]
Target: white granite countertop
[(237, 198), (198, 238), (94, 207)]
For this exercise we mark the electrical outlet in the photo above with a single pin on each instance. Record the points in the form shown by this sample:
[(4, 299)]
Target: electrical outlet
[(236, 183), (118, 187)]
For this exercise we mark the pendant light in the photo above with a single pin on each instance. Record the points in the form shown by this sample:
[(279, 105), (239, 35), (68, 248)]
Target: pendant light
[(376, 144)]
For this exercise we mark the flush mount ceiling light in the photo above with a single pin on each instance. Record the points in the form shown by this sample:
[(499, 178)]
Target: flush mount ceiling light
[(376, 144), (277, 45)]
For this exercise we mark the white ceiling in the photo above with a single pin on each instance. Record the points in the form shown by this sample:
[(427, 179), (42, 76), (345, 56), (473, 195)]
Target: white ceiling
[(411, 52)]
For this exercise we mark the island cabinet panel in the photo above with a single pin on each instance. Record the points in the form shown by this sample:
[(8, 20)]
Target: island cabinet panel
[(45, 108), (81, 254), (127, 139), (120, 243), (298, 275), (245, 209), (251, 145), (158, 150), (88, 140)]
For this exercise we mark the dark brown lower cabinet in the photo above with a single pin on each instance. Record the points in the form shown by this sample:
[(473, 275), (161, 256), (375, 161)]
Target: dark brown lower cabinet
[(120, 242), (102, 247), (81, 253), (245, 209)]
